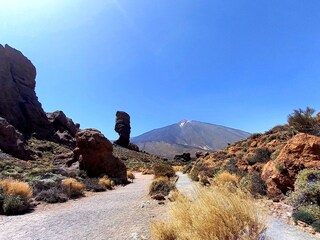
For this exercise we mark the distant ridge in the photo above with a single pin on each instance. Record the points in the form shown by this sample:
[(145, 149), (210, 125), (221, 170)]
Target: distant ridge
[(187, 136)]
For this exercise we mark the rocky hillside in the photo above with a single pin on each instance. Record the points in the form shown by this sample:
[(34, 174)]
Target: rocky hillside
[(187, 136)]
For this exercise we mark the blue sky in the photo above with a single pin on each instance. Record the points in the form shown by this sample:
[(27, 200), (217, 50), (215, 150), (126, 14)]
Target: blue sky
[(242, 64)]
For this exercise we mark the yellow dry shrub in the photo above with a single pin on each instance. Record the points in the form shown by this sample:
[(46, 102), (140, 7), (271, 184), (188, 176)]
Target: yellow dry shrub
[(178, 168), (130, 175), (108, 183), (226, 178), (217, 213), (73, 187), (16, 188)]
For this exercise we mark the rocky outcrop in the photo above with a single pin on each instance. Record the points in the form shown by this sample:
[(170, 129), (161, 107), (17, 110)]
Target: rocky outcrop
[(302, 151), (94, 153), (123, 128), (65, 129), (19, 103), (185, 157), (12, 141)]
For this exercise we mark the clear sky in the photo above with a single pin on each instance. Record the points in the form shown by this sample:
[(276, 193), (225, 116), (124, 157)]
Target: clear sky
[(242, 64)]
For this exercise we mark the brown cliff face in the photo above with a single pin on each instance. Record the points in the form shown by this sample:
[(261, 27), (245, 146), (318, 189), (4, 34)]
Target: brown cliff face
[(94, 153), (302, 151), (19, 104)]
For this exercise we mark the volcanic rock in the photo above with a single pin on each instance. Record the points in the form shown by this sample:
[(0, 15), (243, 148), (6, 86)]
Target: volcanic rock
[(65, 129), (123, 128), (94, 153), (19, 104), (302, 151), (12, 141), (185, 157)]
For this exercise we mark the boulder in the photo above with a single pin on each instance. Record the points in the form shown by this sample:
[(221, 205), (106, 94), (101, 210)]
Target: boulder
[(65, 129), (185, 157), (19, 103), (12, 141), (302, 151), (94, 153), (123, 128)]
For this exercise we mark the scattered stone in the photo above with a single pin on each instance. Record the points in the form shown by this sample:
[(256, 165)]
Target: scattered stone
[(158, 197), (185, 157)]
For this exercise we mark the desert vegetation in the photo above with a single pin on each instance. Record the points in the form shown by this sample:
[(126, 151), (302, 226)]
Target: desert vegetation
[(217, 213), (163, 181)]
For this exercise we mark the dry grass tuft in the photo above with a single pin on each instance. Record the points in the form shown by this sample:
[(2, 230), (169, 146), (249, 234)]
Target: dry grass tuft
[(73, 187), (164, 170), (16, 188), (217, 213), (226, 178), (130, 175), (108, 183), (178, 168), (146, 171)]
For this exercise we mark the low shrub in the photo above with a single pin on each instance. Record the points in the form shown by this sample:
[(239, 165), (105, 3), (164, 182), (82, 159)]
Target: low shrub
[(161, 185), (226, 178), (130, 175), (215, 214), (92, 184), (72, 187), (16, 188), (231, 166), (253, 184), (52, 195), (316, 225), (300, 215), (15, 204), (194, 174), (106, 182), (262, 155), (303, 121), (275, 154), (163, 170)]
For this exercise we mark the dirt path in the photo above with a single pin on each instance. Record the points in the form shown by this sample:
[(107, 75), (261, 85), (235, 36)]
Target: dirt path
[(124, 213), (276, 230)]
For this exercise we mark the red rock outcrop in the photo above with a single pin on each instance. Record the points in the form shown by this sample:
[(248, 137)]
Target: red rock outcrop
[(19, 103), (94, 153), (11, 141), (302, 151), (123, 128)]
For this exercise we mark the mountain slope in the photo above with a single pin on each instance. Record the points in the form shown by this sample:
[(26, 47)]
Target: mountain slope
[(187, 136)]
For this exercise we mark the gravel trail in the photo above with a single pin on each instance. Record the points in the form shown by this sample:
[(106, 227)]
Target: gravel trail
[(276, 230), (124, 213)]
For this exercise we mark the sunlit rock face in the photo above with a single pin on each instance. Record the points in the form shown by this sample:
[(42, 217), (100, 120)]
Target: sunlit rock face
[(19, 104)]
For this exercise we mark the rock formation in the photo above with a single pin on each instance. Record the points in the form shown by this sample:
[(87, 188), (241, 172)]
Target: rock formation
[(302, 151), (94, 153), (123, 128), (12, 141), (19, 104), (64, 127), (185, 157)]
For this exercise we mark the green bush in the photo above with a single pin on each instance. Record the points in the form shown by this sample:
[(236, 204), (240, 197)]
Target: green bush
[(275, 154), (316, 225), (253, 184), (161, 185), (14, 205), (300, 215), (164, 170), (303, 121)]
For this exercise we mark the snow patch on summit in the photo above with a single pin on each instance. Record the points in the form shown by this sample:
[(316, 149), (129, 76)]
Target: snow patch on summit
[(184, 122)]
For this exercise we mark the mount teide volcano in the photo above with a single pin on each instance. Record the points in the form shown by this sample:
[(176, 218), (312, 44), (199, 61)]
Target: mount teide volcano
[(187, 136)]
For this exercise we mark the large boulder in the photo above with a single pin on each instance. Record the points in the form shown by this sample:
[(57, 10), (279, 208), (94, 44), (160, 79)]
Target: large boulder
[(65, 129), (302, 151), (19, 104), (94, 153), (12, 141), (123, 128)]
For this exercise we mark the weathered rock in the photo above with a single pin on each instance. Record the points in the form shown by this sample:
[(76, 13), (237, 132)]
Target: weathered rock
[(158, 197), (19, 103), (123, 128), (94, 153), (133, 147), (201, 154), (12, 141), (65, 129), (302, 151), (185, 157)]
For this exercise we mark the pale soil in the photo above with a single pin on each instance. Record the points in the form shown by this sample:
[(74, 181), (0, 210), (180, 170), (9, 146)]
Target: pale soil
[(124, 213)]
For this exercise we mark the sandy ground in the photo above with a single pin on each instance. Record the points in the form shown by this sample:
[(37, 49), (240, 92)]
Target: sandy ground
[(124, 213)]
